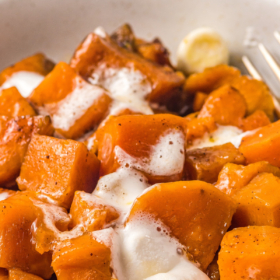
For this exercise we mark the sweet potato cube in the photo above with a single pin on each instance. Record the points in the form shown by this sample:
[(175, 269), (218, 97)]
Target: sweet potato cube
[(74, 105), (94, 55), (89, 211), (211, 79), (263, 145), (18, 274), (256, 120), (259, 202), (152, 144), (205, 164), (57, 168), (16, 249), (196, 213), (12, 104), (199, 100), (82, 258), (250, 253), (226, 105), (15, 135), (234, 177)]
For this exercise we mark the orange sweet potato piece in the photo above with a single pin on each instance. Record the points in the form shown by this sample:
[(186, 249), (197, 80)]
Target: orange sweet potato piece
[(206, 163), (211, 79), (15, 135), (18, 274), (74, 105), (82, 258), (16, 249), (256, 120), (89, 211), (131, 141), (36, 63), (57, 168), (226, 105), (256, 94), (234, 177), (12, 104), (250, 253), (197, 127), (199, 100), (196, 213), (259, 202), (264, 144), (95, 52)]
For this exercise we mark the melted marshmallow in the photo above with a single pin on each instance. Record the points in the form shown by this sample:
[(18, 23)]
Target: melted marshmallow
[(166, 157), (148, 252), (120, 189), (4, 195), (24, 81), (73, 106), (222, 135)]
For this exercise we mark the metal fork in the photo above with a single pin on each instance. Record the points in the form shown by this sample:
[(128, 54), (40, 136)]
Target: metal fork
[(273, 65)]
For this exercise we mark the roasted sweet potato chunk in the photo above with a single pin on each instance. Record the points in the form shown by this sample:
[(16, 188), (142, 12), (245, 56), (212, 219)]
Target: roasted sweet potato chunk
[(102, 57), (264, 144), (18, 274), (259, 202), (250, 253), (17, 216), (234, 177), (57, 168), (12, 104), (256, 120), (196, 213), (151, 144), (225, 105), (199, 100), (89, 211), (211, 79), (206, 163), (74, 105), (82, 258), (15, 135)]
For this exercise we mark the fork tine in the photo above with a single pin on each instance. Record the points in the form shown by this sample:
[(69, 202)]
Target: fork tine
[(270, 60), (277, 36), (256, 75)]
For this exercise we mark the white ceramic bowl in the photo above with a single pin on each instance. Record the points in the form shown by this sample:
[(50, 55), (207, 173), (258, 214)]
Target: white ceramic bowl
[(56, 27)]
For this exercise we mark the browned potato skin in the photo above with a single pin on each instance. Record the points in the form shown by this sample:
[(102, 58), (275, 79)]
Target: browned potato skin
[(57, 168), (250, 251), (205, 164), (82, 258), (36, 63), (95, 51), (15, 135)]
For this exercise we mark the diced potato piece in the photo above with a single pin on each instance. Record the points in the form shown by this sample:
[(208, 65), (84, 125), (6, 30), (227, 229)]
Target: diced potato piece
[(199, 100), (197, 127), (37, 63), (89, 211), (213, 269), (74, 105), (57, 168), (152, 144), (82, 258), (256, 94), (211, 79), (250, 253), (12, 104), (18, 274), (264, 144), (15, 135), (256, 120), (196, 213), (259, 202), (234, 177), (206, 163), (226, 105), (96, 55), (17, 216)]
